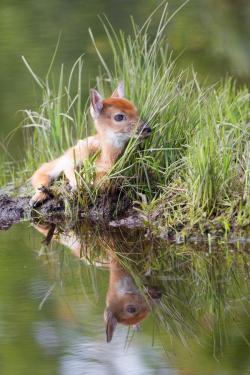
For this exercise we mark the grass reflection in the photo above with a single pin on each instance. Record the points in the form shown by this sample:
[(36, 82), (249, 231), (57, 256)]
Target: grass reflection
[(202, 318)]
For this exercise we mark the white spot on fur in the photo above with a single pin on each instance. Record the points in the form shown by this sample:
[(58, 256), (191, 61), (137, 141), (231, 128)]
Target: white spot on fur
[(117, 140), (126, 286)]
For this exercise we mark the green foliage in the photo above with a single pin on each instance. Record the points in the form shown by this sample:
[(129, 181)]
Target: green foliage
[(195, 163), (200, 138)]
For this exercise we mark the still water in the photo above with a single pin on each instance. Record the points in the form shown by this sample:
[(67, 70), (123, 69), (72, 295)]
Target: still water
[(192, 303)]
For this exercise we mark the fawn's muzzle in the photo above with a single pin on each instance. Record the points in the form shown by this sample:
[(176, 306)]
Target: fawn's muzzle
[(154, 292), (144, 130)]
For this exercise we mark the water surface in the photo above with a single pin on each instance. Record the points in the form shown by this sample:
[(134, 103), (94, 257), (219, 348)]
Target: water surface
[(52, 304)]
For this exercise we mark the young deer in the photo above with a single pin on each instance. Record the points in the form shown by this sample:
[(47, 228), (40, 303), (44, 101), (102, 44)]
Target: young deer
[(116, 120)]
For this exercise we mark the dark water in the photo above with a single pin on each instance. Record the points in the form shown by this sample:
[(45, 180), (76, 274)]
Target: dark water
[(211, 35), (52, 304)]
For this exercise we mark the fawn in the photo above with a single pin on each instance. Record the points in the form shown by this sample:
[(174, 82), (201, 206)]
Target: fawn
[(116, 120)]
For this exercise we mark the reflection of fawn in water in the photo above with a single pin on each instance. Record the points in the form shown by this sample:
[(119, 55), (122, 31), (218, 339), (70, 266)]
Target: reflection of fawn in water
[(125, 303)]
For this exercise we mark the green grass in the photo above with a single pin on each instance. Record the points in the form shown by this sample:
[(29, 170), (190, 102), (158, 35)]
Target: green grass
[(196, 164)]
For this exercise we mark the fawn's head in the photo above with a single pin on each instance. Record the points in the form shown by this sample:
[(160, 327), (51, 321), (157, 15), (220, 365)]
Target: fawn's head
[(116, 118), (126, 303)]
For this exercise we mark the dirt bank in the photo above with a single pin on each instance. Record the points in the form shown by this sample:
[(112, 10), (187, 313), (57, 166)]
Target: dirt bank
[(15, 209)]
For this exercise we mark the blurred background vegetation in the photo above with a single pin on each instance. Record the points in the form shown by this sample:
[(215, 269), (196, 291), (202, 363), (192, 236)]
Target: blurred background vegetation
[(211, 35)]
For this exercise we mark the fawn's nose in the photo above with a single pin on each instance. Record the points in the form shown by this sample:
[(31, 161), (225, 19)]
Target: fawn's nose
[(154, 292), (144, 130)]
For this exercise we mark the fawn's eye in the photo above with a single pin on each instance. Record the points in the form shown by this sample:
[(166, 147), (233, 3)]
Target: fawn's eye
[(131, 309), (119, 117)]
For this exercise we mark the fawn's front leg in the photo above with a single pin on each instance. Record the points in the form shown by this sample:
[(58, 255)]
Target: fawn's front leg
[(103, 167), (66, 163)]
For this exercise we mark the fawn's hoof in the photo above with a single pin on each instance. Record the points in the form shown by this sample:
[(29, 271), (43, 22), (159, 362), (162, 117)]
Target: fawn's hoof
[(37, 199)]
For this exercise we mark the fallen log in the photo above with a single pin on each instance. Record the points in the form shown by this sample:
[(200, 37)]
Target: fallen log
[(15, 209)]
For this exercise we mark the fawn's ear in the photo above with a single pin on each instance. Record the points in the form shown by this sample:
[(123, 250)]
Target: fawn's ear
[(119, 91), (96, 103), (111, 323)]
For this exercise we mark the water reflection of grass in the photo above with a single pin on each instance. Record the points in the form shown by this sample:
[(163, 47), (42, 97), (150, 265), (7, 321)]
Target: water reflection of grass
[(193, 170), (210, 304), (202, 319)]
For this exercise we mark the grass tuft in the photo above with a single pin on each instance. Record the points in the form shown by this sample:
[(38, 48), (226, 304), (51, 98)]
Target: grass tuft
[(196, 164)]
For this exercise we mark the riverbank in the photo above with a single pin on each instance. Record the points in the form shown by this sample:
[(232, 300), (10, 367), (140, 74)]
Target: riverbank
[(191, 174), (104, 215)]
